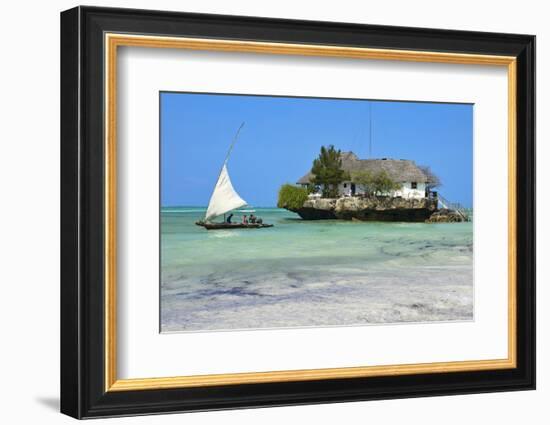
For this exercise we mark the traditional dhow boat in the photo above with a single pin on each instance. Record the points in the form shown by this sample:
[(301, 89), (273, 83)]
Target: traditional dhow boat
[(215, 226), (225, 199)]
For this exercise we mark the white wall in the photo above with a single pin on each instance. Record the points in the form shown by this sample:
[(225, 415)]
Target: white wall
[(408, 192), (344, 190), (29, 172)]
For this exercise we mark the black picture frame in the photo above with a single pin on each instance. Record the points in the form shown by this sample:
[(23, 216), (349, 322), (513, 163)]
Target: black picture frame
[(83, 392)]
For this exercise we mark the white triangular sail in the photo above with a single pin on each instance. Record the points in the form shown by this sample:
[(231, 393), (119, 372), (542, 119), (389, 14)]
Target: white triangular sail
[(224, 198)]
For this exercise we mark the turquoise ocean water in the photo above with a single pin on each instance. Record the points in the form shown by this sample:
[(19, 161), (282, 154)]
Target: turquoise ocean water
[(311, 273)]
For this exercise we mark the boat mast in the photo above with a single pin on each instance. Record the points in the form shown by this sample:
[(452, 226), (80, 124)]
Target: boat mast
[(231, 146)]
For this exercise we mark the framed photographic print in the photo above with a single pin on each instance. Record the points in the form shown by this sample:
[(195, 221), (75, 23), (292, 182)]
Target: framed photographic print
[(261, 212)]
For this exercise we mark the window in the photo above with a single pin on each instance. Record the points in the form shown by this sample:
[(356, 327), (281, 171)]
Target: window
[(345, 185), (413, 185)]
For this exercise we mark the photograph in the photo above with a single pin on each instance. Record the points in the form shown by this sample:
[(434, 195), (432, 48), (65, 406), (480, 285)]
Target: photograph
[(292, 212)]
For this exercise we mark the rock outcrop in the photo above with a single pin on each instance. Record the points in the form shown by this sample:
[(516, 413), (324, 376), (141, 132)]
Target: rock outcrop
[(446, 216), (374, 208)]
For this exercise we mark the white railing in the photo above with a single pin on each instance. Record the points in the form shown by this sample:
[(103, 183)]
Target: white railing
[(454, 206)]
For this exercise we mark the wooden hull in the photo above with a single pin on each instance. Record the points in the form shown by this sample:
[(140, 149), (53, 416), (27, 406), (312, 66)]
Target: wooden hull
[(217, 226)]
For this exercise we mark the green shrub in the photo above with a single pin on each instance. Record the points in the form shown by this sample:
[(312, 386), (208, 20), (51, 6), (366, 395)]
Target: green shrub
[(377, 183), (292, 197)]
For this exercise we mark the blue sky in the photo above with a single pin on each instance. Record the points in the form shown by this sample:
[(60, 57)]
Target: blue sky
[(282, 136)]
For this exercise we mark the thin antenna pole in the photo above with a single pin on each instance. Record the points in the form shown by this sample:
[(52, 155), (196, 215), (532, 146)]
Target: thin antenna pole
[(370, 129)]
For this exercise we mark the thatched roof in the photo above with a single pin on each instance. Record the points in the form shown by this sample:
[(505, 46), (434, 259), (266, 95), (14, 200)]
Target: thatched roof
[(399, 170)]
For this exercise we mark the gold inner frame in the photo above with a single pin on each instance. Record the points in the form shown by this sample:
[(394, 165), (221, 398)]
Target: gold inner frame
[(113, 41)]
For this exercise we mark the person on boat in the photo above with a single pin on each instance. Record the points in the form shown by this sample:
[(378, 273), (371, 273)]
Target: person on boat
[(229, 217), (259, 220), (245, 219), (252, 218)]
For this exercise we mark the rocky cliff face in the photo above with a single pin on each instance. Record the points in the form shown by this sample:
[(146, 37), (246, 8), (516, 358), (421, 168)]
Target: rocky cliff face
[(368, 209)]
